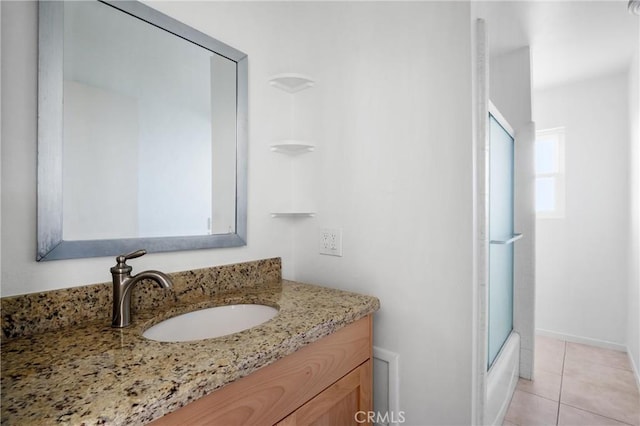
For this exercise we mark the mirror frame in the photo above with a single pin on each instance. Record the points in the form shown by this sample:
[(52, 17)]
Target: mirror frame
[(50, 245)]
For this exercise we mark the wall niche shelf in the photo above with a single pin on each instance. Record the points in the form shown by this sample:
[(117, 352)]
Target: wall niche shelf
[(293, 214), (292, 146), (291, 82)]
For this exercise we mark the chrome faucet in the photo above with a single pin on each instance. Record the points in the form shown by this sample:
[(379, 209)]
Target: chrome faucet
[(123, 282)]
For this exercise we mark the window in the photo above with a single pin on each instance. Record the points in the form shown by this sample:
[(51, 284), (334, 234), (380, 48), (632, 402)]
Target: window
[(549, 167)]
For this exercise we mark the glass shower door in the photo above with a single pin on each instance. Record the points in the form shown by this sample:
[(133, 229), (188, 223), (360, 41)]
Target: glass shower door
[(501, 236)]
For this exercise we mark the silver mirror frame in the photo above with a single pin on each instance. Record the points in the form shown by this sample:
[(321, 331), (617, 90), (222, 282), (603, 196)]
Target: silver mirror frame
[(50, 245)]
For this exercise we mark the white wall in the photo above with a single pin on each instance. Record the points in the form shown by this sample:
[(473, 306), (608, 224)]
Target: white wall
[(582, 258), (391, 115), (510, 85), (633, 307), (394, 170), (266, 237)]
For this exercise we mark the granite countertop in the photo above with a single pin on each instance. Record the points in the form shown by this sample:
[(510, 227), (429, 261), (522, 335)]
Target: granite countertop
[(91, 373)]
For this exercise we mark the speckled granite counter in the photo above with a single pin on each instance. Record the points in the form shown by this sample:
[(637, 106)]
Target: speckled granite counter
[(90, 373)]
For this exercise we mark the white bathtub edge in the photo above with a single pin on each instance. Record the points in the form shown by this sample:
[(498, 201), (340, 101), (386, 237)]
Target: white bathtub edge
[(502, 380)]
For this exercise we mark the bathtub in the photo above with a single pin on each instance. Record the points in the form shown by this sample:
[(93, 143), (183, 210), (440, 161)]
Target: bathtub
[(501, 381)]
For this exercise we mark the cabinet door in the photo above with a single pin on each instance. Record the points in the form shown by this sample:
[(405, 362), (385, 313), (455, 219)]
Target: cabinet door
[(346, 402)]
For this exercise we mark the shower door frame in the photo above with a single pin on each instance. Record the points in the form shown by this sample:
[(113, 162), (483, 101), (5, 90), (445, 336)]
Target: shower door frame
[(502, 122)]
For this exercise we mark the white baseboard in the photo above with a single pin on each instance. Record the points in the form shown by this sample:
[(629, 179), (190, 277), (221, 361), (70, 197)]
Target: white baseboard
[(584, 340)]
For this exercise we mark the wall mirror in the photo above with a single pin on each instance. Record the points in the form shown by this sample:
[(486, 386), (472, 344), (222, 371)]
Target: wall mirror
[(142, 133)]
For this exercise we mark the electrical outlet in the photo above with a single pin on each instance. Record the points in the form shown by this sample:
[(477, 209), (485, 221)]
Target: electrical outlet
[(331, 241)]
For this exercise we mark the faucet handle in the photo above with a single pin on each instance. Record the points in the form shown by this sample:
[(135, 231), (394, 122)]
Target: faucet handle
[(122, 267), (124, 257)]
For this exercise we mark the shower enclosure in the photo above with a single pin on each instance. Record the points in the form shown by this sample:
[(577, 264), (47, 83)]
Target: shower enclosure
[(503, 344)]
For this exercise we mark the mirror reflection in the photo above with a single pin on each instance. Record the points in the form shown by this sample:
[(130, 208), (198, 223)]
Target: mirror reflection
[(149, 130)]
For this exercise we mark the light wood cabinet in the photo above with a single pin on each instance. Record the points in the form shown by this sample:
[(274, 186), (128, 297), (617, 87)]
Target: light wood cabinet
[(324, 383), (342, 403)]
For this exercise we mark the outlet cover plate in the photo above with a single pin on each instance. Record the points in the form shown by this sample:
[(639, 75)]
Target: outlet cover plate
[(330, 241)]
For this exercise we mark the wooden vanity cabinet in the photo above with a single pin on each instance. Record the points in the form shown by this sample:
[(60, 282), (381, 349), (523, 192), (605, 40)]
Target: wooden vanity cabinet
[(324, 383)]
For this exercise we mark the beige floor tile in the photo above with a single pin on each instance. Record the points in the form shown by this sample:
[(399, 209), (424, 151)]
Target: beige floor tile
[(527, 409), (597, 388), (601, 398), (549, 355), (608, 377), (544, 384), (547, 362), (550, 346), (593, 354), (571, 416)]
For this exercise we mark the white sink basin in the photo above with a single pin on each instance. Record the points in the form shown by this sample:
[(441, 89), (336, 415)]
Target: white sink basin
[(210, 323)]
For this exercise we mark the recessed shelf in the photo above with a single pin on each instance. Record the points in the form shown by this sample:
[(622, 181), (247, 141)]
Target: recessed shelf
[(293, 214), (291, 82), (292, 146)]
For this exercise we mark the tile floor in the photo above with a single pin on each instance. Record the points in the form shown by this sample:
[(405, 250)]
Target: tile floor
[(576, 385)]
